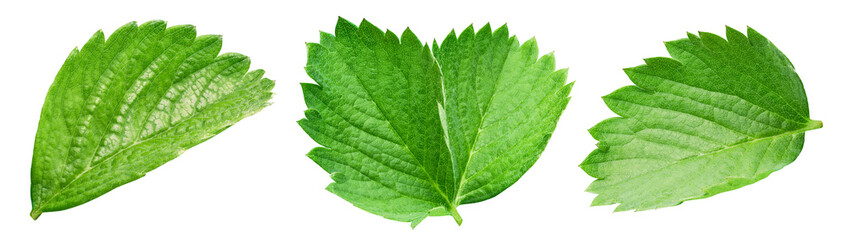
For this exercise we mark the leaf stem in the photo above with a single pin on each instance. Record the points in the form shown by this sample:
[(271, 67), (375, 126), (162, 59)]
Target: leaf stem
[(36, 212), (813, 124), (455, 215)]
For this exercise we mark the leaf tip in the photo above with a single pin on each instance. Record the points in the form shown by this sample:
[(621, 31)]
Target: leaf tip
[(340, 19), (486, 28), (452, 34), (749, 29), (338, 177), (503, 29), (414, 223), (468, 30)]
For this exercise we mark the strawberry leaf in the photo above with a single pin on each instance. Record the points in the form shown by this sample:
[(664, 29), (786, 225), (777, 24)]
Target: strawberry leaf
[(408, 132), (719, 115), (122, 107)]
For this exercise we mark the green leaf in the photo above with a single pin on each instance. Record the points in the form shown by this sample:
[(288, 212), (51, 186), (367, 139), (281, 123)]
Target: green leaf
[(719, 115), (407, 135), (122, 107)]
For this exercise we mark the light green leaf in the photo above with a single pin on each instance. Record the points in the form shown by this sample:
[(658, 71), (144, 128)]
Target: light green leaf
[(719, 115), (407, 135), (122, 107)]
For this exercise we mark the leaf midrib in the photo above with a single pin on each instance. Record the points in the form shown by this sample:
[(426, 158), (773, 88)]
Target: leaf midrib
[(450, 205), (463, 179), (811, 125)]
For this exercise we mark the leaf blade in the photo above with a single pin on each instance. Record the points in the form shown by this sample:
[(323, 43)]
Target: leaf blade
[(355, 71), (360, 67), (698, 124), (515, 100), (125, 125)]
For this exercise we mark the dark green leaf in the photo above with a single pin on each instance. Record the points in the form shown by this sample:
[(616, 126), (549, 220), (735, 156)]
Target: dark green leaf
[(407, 135)]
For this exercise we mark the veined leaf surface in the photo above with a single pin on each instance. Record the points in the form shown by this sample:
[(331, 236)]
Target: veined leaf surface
[(408, 132), (122, 107), (720, 114)]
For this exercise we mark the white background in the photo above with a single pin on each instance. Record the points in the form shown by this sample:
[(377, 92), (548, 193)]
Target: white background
[(254, 182)]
